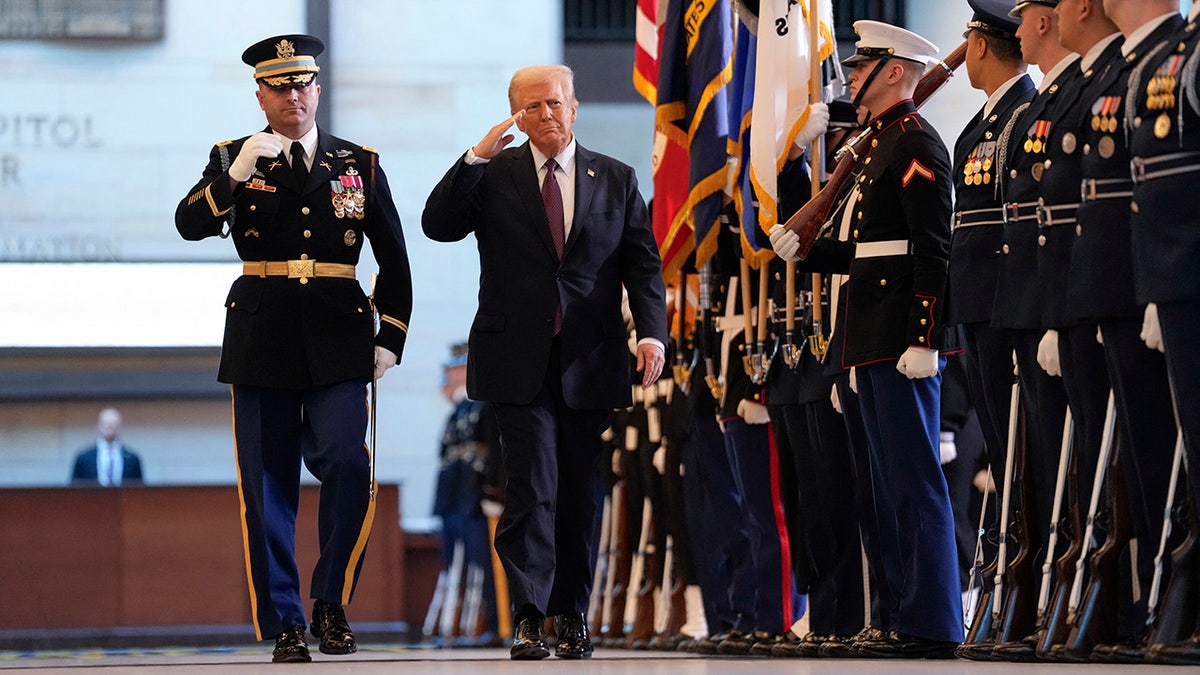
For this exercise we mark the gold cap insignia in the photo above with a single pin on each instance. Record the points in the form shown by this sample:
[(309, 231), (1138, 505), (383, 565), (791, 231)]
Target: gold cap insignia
[(285, 49)]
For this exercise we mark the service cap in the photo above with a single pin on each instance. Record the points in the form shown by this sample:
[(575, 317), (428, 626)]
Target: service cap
[(1015, 12), (285, 60), (992, 17), (878, 40)]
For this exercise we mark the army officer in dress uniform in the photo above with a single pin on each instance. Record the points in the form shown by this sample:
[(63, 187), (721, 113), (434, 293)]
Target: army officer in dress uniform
[(300, 346), (897, 256)]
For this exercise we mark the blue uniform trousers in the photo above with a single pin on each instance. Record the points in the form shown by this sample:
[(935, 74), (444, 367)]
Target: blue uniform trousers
[(274, 430), (719, 534), (902, 419), (756, 476)]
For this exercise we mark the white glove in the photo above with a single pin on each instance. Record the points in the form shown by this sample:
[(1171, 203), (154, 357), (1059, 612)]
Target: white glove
[(918, 362), (785, 242), (818, 122), (835, 399), (853, 379), (384, 359), (1047, 356), (660, 460), (491, 508), (1151, 330), (753, 413), (262, 144), (947, 448)]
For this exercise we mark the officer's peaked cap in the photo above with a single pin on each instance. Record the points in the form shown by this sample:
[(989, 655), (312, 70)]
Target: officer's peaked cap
[(1022, 4), (878, 40), (285, 60), (992, 17)]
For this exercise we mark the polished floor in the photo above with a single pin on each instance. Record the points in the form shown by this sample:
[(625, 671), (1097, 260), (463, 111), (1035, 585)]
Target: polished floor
[(472, 661)]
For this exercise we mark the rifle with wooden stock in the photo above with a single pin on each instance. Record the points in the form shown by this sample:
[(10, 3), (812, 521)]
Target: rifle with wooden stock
[(1018, 615), (1093, 617), (1173, 615), (808, 222)]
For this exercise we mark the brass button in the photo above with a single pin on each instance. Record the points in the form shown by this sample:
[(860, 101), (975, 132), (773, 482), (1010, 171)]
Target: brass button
[(924, 321), (304, 210), (868, 161), (304, 256), (856, 234), (1087, 148), (254, 207), (1012, 173), (862, 179), (360, 310), (1041, 240), (1137, 122), (860, 196), (1005, 249), (883, 282), (1047, 164), (303, 280), (233, 304), (921, 339), (859, 216), (874, 142), (924, 303), (307, 234)]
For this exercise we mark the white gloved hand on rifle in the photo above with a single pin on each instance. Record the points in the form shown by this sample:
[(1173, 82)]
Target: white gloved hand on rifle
[(262, 144), (785, 242), (384, 359)]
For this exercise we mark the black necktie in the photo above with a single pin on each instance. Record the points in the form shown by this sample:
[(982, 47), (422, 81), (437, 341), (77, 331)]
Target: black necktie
[(299, 170)]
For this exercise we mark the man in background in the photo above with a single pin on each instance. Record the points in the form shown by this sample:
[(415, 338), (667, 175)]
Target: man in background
[(107, 462)]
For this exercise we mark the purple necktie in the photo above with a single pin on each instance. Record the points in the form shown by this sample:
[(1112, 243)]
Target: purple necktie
[(553, 203)]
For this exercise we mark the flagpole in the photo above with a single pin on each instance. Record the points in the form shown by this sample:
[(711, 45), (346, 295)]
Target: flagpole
[(817, 342)]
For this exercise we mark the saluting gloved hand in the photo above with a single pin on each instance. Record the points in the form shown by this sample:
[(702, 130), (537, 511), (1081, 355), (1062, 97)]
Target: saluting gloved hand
[(1151, 330), (785, 242), (918, 362), (816, 125), (262, 144), (753, 413), (1047, 356), (384, 359)]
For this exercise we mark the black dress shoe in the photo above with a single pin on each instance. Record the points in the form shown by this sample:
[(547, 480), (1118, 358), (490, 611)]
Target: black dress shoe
[(529, 643), (902, 646), (788, 646), (1183, 653), (840, 646), (740, 644), (330, 627), (573, 641), (290, 646)]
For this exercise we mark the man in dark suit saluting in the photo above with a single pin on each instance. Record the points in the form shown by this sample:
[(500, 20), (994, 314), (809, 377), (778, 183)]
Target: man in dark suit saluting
[(560, 231)]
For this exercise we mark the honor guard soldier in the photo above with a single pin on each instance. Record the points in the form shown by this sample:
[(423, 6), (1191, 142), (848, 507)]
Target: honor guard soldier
[(1100, 286), (1164, 138), (301, 348), (897, 258), (994, 66)]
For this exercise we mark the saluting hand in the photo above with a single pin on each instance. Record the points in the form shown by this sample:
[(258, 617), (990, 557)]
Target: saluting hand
[(497, 137), (262, 144), (650, 361)]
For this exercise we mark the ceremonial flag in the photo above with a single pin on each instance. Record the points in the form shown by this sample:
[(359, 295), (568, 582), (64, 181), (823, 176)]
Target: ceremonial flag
[(741, 101), (645, 51), (695, 64), (781, 92)]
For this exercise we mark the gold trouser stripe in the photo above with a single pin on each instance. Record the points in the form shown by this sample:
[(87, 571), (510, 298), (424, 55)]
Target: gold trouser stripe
[(282, 269), (363, 534), (245, 526), (395, 322)]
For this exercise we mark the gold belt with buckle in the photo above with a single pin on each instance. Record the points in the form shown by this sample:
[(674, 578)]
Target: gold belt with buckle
[(298, 269)]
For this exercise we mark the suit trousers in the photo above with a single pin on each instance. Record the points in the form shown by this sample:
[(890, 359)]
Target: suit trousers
[(902, 419), (274, 430), (547, 534)]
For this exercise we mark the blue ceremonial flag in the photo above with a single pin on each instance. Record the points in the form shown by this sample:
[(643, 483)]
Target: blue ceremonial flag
[(695, 65), (755, 249)]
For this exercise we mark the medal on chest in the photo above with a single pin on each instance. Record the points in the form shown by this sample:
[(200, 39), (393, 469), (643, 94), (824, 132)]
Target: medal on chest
[(347, 195), (1104, 113), (1036, 136), (1160, 93)]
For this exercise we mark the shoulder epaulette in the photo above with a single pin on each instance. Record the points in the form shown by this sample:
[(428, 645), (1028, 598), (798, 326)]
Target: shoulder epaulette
[(223, 143), (370, 150)]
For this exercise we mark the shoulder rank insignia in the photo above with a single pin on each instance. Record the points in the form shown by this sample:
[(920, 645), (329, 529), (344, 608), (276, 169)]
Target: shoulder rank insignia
[(371, 150), (916, 169), (224, 143)]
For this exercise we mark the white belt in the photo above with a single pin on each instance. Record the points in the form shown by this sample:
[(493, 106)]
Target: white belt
[(878, 249)]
